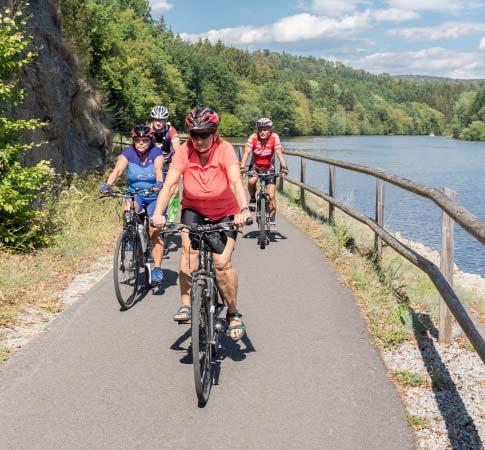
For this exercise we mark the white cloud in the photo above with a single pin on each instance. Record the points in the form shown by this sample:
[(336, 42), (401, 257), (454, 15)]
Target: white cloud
[(289, 29), (334, 7), (435, 61), (395, 15), (482, 44), (448, 30), (160, 6), (429, 5)]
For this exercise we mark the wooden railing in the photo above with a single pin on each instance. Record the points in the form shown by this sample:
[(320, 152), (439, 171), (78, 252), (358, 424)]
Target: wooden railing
[(452, 211)]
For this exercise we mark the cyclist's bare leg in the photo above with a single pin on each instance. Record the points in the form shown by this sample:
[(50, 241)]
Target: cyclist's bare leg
[(157, 246), (187, 265), (252, 186), (227, 283), (271, 190)]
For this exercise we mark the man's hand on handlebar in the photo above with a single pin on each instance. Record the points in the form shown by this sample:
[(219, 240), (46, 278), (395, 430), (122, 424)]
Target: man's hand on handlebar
[(284, 171)]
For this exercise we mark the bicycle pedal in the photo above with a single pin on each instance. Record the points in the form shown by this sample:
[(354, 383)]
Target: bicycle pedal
[(184, 322)]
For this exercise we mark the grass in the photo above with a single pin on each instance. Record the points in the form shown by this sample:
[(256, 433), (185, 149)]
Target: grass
[(387, 291), (417, 422), (4, 352), (410, 379), (86, 229)]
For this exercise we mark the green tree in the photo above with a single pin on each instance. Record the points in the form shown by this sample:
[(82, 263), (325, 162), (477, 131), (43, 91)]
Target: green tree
[(230, 125), (23, 223)]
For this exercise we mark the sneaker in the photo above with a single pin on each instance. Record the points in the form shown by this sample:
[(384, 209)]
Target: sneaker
[(157, 275), (128, 245), (272, 224)]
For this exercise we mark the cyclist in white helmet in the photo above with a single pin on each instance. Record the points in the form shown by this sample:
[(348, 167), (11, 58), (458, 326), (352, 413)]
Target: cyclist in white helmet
[(263, 145), (167, 138)]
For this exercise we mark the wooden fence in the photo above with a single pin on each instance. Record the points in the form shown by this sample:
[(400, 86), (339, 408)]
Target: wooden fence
[(452, 212)]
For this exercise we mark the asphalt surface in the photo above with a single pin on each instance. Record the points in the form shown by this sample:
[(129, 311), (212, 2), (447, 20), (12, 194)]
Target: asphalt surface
[(305, 377)]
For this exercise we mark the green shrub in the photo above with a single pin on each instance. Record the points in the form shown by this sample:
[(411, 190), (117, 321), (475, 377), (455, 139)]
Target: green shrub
[(23, 190)]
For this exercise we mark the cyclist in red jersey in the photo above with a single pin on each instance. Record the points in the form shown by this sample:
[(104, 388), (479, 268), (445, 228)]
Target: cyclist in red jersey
[(264, 144), (212, 190)]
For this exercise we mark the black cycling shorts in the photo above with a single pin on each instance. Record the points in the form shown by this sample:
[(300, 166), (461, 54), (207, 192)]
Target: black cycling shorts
[(216, 240), (271, 179)]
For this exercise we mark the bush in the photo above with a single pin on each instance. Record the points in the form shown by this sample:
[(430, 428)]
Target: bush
[(230, 125), (23, 190), (475, 132)]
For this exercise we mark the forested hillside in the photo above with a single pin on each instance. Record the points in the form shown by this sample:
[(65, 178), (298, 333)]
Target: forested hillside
[(138, 62)]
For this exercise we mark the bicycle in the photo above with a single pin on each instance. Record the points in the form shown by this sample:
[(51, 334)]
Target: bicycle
[(132, 256), (207, 327), (262, 205)]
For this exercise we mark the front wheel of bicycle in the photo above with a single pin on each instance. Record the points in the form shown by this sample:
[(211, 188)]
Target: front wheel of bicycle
[(262, 222), (127, 269), (202, 349)]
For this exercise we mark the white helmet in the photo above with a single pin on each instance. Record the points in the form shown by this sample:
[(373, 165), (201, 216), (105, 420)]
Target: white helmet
[(159, 113), (264, 122)]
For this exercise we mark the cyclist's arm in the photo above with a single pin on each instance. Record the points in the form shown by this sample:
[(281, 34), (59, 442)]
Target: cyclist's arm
[(247, 151), (279, 154), (170, 184), (120, 167), (158, 165), (174, 138)]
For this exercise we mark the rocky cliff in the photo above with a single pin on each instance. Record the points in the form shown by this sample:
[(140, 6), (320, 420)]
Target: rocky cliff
[(76, 133)]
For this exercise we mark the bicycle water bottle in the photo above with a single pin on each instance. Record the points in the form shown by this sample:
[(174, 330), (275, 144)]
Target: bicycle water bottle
[(142, 233)]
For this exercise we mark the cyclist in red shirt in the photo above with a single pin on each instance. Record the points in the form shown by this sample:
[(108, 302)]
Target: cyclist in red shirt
[(264, 144), (213, 190)]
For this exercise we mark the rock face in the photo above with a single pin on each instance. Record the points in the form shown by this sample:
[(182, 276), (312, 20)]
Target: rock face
[(76, 134)]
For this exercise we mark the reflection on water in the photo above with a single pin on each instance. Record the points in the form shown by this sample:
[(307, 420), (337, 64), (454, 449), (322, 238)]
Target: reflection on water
[(436, 161)]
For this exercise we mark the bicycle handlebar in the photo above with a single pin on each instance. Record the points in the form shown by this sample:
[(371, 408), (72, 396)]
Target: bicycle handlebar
[(268, 173), (202, 229), (123, 193)]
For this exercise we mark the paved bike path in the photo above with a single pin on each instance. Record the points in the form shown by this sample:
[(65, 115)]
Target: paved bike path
[(305, 377)]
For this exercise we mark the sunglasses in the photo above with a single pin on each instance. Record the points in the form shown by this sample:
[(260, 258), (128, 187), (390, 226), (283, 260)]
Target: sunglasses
[(142, 140), (200, 135)]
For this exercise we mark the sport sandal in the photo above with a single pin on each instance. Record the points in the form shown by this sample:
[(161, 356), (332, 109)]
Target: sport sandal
[(240, 326), (183, 314)]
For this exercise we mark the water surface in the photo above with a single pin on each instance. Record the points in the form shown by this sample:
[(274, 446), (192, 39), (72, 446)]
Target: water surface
[(436, 161)]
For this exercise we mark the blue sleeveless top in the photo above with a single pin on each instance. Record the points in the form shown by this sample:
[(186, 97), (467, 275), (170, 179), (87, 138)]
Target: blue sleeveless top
[(141, 175)]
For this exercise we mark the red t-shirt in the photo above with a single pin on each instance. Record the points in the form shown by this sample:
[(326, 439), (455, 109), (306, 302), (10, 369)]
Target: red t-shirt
[(207, 189), (263, 150)]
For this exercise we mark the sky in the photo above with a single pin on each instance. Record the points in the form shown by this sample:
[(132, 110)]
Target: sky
[(443, 38)]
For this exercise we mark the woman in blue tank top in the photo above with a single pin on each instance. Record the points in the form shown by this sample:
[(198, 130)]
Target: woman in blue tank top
[(144, 162)]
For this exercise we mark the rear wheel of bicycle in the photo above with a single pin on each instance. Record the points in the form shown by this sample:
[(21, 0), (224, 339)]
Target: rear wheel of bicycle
[(262, 222), (127, 269), (202, 349)]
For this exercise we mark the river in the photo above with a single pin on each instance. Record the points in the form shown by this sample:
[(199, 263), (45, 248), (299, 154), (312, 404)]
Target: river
[(436, 161)]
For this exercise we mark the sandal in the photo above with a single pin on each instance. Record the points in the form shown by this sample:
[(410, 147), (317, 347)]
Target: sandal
[(240, 326), (183, 314)]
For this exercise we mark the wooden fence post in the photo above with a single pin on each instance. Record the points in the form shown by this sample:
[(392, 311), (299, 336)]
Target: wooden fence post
[(446, 267), (331, 193), (239, 155), (302, 180), (379, 217)]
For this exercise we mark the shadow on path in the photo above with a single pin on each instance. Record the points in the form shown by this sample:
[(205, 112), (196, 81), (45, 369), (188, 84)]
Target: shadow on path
[(462, 431), (274, 236)]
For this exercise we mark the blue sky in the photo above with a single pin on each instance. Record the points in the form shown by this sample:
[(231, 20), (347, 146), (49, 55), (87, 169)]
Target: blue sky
[(427, 37)]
